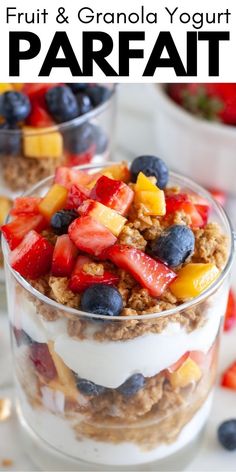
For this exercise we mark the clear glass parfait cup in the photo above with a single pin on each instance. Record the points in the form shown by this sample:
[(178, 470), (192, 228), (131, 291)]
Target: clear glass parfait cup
[(76, 373)]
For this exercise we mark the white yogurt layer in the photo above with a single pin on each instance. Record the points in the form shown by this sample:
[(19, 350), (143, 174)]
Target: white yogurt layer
[(59, 433)]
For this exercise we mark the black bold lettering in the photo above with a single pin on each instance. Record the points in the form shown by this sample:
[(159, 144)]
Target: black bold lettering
[(90, 56), (16, 55), (163, 41), (125, 53), (213, 38), (60, 40)]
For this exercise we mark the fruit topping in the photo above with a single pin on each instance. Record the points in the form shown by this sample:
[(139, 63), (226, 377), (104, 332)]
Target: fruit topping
[(229, 377), (182, 202), (61, 220), (78, 140), (98, 94), (104, 215), (193, 279), (5, 206), (76, 196), (188, 372), (132, 385), (32, 258), (64, 257), (174, 245), (26, 206), (67, 177), (150, 166), (10, 139), (14, 106), (102, 299), (86, 387), (230, 314), (151, 274), (42, 360), (113, 194), (18, 228), (53, 201), (90, 236), (42, 145), (227, 434), (151, 197), (118, 172), (82, 277), (62, 103), (84, 103)]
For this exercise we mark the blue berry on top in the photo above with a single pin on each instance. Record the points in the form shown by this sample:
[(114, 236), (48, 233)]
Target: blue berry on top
[(84, 103), (150, 166), (62, 103), (89, 388), (77, 87), (174, 245), (61, 221), (78, 139), (14, 106), (227, 434), (10, 139), (102, 299), (98, 94), (132, 385)]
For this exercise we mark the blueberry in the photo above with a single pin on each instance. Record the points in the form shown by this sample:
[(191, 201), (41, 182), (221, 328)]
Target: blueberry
[(77, 87), (10, 139), (227, 434), (150, 165), (61, 103), (102, 299), (98, 94), (14, 106), (78, 140), (132, 385), (100, 139), (84, 103), (89, 388), (62, 219), (174, 245)]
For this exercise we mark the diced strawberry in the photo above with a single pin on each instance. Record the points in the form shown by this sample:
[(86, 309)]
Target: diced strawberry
[(32, 89), (230, 314), (203, 207), (113, 193), (182, 202), (33, 257), (178, 363), (219, 195), (76, 196), (83, 158), (42, 360), (229, 377), (67, 177), (64, 257), (16, 230), (90, 236), (25, 205), (81, 280), (151, 274), (39, 117)]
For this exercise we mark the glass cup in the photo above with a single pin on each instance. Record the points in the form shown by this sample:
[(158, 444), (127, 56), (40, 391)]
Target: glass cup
[(86, 139), (77, 373)]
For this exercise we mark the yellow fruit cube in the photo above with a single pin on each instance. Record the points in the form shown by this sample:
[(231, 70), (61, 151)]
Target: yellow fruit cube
[(104, 215), (118, 172), (64, 373), (187, 373), (54, 201), (150, 196), (143, 183), (5, 206), (193, 279), (40, 144), (5, 87)]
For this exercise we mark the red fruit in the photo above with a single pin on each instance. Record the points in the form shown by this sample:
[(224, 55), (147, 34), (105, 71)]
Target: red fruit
[(39, 117), (16, 230), (203, 207), (182, 202), (76, 196), (42, 360), (26, 205), (229, 377), (90, 236), (32, 89), (64, 257), (230, 314), (219, 195), (150, 273), (81, 280), (33, 257), (67, 177), (83, 158), (113, 193)]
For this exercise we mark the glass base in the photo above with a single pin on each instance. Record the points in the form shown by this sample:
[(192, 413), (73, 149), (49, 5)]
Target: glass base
[(45, 457)]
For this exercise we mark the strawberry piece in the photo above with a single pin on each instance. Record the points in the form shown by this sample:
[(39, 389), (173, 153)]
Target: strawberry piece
[(33, 89), (113, 193), (230, 314), (16, 230), (219, 195), (229, 377), (150, 273), (42, 360), (25, 206), (90, 236), (76, 196), (33, 257), (182, 202), (39, 117), (82, 158), (81, 280), (64, 257), (67, 177), (203, 207)]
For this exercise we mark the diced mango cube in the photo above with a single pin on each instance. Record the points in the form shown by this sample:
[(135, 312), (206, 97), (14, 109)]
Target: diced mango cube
[(118, 172), (64, 373), (5, 206), (5, 87), (150, 196), (53, 201), (42, 144), (104, 215), (187, 373), (144, 183), (193, 279)]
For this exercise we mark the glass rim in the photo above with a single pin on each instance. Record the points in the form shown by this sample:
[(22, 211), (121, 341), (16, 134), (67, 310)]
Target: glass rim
[(79, 120), (166, 313)]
